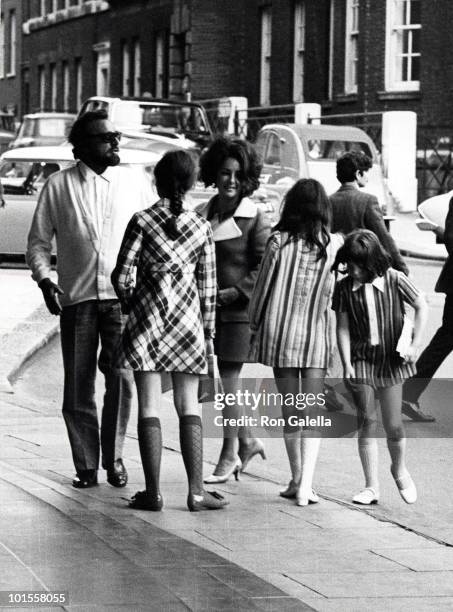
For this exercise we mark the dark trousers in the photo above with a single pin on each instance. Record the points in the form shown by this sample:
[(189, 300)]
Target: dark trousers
[(82, 327), (434, 354)]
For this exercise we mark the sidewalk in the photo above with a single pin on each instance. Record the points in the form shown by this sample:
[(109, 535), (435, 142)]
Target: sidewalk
[(261, 553)]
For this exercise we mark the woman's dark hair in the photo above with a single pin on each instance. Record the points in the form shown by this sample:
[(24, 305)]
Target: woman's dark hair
[(243, 152), (362, 247), (349, 163), (175, 174), (79, 129), (307, 213)]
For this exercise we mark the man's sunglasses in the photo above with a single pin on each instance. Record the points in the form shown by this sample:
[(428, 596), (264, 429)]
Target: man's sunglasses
[(111, 137)]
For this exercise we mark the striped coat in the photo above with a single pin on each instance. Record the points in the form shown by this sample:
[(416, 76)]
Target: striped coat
[(290, 308), (379, 365)]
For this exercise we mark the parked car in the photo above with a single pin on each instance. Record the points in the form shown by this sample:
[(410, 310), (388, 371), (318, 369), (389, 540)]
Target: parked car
[(23, 172), (42, 129), (291, 151), (169, 118)]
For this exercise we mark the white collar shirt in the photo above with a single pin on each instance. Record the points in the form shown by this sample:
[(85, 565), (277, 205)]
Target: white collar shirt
[(378, 282), (87, 214)]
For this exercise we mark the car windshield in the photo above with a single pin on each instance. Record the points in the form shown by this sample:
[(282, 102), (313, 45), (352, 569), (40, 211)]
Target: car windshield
[(25, 177), (57, 127), (160, 118), (333, 149)]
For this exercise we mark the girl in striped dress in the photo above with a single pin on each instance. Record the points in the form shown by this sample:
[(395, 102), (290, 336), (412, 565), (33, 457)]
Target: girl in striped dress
[(290, 316), (369, 303)]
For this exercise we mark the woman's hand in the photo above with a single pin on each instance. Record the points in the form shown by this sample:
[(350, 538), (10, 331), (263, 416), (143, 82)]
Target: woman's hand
[(348, 371), (227, 296), (412, 353)]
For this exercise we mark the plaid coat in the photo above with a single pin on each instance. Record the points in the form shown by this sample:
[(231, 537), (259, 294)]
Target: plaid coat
[(171, 304)]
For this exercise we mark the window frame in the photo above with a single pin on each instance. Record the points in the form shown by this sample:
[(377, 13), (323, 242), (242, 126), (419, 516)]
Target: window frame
[(300, 25), (392, 83), (266, 55), (12, 44), (351, 49)]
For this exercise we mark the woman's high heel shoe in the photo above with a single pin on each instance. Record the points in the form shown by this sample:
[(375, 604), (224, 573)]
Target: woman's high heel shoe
[(224, 471), (248, 453), (291, 490)]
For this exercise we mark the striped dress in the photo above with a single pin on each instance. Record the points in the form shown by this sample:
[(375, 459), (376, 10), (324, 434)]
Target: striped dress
[(379, 365), (290, 310)]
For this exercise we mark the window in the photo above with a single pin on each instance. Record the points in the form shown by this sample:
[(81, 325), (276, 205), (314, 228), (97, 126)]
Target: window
[(42, 87), (2, 46), (161, 66), (65, 78), (329, 71), (53, 87), (266, 49), (78, 81), (299, 51), (137, 68), (403, 45), (351, 46), (12, 43), (125, 59)]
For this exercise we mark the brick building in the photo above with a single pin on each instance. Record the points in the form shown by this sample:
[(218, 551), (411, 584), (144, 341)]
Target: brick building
[(350, 56), (65, 53)]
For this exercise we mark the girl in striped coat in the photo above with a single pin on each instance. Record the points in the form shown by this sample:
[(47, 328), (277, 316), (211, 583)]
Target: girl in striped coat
[(291, 319), (369, 303)]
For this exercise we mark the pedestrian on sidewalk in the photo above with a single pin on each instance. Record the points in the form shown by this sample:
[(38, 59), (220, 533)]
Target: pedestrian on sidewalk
[(165, 279), (369, 303), (240, 232), (86, 208), (353, 209), (441, 344), (291, 318)]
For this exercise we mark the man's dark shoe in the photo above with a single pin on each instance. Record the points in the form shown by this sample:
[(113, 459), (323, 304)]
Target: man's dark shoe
[(117, 474), (412, 410), (85, 479)]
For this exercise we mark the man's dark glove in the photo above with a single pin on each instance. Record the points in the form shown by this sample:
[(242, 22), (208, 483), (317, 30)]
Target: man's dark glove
[(51, 292)]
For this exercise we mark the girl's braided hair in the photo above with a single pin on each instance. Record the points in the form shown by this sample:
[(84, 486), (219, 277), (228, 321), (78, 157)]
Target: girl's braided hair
[(175, 174)]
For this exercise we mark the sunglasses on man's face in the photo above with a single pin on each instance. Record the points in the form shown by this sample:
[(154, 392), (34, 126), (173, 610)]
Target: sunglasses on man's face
[(111, 137)]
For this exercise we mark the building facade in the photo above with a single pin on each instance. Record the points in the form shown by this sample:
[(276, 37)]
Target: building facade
[(350, 56)]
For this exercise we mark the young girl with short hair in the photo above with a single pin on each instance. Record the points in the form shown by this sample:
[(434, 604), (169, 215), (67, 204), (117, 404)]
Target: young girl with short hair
[(369, 303)]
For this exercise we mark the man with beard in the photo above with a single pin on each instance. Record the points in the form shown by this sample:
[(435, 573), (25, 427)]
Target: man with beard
[(87, 208)]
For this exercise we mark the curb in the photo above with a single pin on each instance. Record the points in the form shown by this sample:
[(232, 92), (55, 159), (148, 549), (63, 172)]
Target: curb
[(22, 343)]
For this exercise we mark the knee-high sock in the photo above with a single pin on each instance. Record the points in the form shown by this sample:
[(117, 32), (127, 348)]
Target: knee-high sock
[(397, 450), (150, 443), (191, 439), (292, 444), (309, 455), (368, 453)]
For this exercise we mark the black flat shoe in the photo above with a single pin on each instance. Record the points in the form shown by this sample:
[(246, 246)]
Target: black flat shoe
[(209, 500), (86, 479), (146, 501), (117, 474)]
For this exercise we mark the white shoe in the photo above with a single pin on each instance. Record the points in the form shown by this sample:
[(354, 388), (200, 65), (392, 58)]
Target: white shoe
[(366, 497), (407, 488), (224, 472), (304, 500)]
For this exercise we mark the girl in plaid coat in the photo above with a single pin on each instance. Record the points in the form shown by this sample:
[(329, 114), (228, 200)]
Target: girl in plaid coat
[(171, 308)]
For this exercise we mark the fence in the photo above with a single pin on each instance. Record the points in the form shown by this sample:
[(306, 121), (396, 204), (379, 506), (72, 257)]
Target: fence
[(434, 160)]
